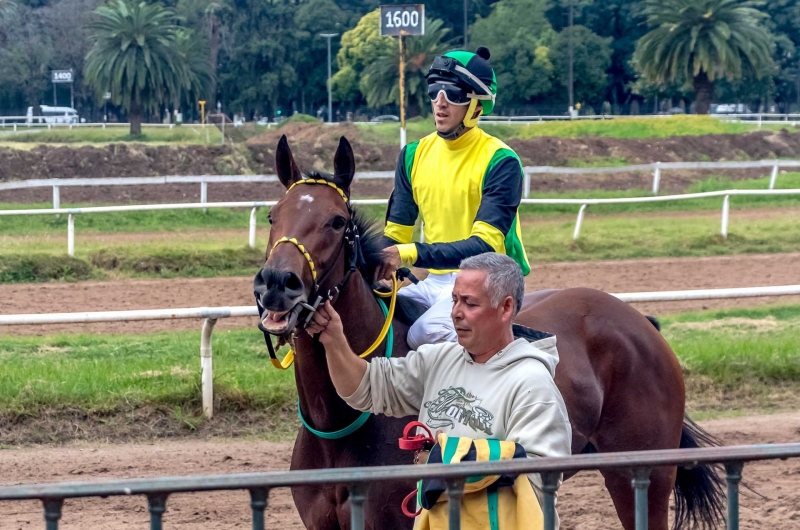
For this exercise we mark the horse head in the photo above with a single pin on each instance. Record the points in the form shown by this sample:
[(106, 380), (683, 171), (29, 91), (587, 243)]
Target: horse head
[(313, 243)]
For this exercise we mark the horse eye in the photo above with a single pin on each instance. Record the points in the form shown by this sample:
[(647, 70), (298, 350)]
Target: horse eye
[(338, 222), (269, 218)]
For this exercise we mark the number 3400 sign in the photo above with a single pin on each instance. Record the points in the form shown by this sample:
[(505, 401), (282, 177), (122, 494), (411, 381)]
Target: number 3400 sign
[(405, 19)]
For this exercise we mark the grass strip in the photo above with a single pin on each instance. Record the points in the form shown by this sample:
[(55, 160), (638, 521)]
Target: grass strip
[(103, 374), (387, 133), (220, 218), (730, 358), (183, 134), (547, 238)]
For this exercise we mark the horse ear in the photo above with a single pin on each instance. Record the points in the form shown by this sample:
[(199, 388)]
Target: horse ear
[(288, 172), (344, 164)]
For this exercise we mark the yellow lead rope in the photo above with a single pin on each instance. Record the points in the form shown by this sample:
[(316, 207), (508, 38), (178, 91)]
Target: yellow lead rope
[(289, 358)]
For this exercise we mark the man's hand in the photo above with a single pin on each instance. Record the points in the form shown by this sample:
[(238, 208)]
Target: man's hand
[(328, 324), (390, 262)]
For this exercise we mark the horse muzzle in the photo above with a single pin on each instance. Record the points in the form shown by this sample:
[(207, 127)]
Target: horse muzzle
[(280, 297)]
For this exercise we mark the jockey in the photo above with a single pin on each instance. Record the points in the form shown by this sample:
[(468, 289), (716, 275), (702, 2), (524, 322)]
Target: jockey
[(466, 184)]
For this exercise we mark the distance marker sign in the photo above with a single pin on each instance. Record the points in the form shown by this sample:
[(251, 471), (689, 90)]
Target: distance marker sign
[(403, 19)]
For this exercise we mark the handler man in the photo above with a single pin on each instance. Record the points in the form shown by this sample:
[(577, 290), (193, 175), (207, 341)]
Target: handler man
[(466, 184), (487, 385)]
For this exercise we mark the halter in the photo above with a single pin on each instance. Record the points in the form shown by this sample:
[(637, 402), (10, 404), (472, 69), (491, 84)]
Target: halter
[(305, 312)]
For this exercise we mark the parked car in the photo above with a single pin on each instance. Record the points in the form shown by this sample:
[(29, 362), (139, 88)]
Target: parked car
[(730, 108), (384, 118)]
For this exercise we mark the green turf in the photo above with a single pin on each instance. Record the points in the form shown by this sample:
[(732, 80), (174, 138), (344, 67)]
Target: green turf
[(101, 373), (106, 373), (224, 218), (187, 134), (389, 133)]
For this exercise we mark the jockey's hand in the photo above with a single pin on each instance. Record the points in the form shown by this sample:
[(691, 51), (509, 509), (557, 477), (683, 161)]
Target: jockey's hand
[(390, 262), (328, 324)]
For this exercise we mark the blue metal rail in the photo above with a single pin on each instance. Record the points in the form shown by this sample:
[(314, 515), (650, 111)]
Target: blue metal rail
[(157, 490)]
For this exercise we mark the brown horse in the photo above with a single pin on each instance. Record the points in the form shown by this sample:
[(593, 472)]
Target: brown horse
[(621, 382)]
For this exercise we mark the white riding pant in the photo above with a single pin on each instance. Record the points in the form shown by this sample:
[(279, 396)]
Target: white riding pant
[(436, 293)]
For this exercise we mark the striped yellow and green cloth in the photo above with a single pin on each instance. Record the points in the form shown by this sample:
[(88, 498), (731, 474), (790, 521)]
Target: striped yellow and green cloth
[(496, 502)]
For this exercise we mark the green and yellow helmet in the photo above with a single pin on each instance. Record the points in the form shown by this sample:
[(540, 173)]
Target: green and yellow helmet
[(470, 71)]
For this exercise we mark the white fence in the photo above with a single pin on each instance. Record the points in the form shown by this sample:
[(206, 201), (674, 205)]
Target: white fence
[(256, 205), (212, 314), (204, 180)]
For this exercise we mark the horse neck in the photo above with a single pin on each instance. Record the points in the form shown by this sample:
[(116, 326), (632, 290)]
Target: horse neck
[(362, 320)]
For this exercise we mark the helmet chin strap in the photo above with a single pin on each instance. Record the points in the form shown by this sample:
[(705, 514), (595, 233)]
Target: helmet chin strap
[(470, 120)]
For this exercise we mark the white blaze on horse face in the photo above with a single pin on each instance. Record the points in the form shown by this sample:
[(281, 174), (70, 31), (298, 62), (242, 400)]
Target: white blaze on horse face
[(307, 198)]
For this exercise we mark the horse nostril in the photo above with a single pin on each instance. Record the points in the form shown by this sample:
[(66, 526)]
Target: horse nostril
[(292, 283)]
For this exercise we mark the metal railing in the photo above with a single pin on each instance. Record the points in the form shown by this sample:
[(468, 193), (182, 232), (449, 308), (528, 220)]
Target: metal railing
[(204, 180), (256, 205), (211, 315), (640, 463)]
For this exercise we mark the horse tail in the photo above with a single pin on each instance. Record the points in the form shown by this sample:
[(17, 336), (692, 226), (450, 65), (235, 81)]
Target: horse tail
[(699, 497)]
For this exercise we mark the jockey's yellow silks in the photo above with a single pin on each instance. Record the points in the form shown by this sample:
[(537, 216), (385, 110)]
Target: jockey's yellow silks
[(467, 192), (490, 503)]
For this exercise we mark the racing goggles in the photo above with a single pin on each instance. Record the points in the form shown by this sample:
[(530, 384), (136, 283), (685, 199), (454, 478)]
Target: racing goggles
[(454, 94)]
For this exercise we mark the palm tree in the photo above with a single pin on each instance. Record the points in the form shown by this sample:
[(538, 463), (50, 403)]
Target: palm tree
[(380, 82), (702, 41), (135, 55)]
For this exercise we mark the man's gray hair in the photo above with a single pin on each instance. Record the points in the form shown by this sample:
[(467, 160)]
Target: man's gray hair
[(503, 277)]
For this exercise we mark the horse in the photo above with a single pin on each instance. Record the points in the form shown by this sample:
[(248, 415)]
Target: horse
[(619, 378)]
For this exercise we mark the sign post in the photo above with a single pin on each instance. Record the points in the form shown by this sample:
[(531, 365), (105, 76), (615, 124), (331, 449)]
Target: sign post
[(62, 76), (401, 21), (202, 103)]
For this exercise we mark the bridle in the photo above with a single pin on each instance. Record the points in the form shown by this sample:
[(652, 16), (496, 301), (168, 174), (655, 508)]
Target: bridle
[(303, 312)]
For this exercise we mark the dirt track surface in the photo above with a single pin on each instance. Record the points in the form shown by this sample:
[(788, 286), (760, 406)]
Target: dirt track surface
[(660, 274), (583, 502)]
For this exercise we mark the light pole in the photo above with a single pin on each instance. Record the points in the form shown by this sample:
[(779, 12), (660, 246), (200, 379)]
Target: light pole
[(465, 25), (329, 36)]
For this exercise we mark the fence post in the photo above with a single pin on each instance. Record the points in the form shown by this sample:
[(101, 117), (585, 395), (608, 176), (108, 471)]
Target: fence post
[(56, 198), (15, 127), (52, 512), (71, 235), (733, 476), (207, 376), (773, 177), (726, 207), (204, 194), (258, 503), (157, 504), (253, 221), (527, 185), (455, 492), (579, 222), (358, 496), (656, 178), (549, 488), (640, 483)]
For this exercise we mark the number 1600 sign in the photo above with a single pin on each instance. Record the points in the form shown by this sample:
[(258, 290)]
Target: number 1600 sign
[(407, 19), (402, 19)]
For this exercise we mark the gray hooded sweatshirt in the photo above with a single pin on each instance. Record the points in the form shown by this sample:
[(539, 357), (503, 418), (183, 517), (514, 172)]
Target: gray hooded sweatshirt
[(511, 397)]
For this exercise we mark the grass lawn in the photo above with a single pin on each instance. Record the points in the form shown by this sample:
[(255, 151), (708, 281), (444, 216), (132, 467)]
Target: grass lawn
[(737, 359), (184, 134), (191, 243), (388, 133)]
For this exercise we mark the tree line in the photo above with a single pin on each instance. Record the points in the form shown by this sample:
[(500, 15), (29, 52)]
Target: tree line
[(266, 57)]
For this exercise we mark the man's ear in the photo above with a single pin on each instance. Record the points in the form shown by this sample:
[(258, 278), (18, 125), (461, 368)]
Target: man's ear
[(509, 307)]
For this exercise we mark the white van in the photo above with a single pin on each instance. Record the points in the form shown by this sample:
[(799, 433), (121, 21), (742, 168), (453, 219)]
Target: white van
[(50, 114)]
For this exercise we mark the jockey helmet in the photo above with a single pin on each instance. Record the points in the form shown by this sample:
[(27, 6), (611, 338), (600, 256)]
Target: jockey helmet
[(466, 78)]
